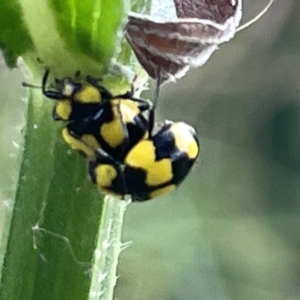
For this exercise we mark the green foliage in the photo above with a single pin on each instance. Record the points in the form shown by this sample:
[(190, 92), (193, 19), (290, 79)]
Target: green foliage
[(66, 36), (88, 26), (14, 38)]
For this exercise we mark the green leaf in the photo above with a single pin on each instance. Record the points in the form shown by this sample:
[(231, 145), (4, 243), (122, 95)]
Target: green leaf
[(65, 35), (14, 38), (88, 26)]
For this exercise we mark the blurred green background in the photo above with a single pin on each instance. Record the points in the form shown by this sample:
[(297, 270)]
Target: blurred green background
[(232, 230)]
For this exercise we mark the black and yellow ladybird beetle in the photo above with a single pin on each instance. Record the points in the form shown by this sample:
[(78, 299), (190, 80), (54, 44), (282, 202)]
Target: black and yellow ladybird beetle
[(95, 118), (153, 167)]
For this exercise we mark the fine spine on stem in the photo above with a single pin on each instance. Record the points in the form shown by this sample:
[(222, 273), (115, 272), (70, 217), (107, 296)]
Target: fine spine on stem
[(108, 249)]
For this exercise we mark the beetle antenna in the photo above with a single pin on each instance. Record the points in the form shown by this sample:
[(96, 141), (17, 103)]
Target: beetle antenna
[(25, 84)]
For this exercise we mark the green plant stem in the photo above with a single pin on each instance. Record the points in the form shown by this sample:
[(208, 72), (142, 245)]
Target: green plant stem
[(108, 250), (55, 220)]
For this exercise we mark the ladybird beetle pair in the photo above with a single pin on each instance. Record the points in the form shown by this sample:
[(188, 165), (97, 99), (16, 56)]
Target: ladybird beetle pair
[(115, 134)]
